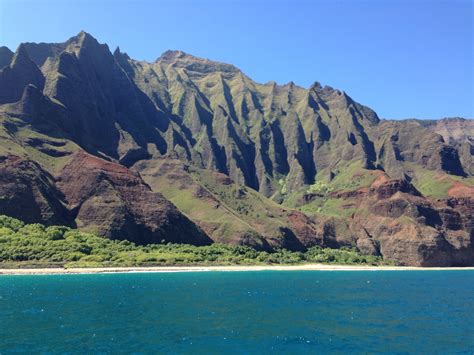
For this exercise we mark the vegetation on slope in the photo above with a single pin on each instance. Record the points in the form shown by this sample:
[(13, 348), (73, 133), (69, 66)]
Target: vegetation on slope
[(227, 211), (436, 184), (32, 245), (50, 151)]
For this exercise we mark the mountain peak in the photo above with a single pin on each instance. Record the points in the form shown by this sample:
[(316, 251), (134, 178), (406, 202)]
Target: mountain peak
[(171, 54), (326, 90), (21, 72), (85, 35), (21, 56), (4, 49), (316, 86), (6, 56), (182, 59), (119, 54), (83, 39), (86, 38)]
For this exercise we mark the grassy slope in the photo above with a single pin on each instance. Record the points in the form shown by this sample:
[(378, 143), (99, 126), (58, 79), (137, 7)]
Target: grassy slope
[(15, 141), (222, 221), (349, 177), (436, 184), (224, 209)]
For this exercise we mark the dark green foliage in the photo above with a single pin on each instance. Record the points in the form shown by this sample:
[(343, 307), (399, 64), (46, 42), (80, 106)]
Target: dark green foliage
[(35, 244), (11, 223)]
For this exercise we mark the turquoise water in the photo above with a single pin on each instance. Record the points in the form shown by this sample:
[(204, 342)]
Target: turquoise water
[(239, 312)]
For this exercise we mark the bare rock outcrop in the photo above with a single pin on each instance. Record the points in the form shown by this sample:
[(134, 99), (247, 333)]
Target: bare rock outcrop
[(28, 192), (115, 202)]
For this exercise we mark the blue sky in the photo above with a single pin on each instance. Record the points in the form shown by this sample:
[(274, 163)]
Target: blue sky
[(403, 58)]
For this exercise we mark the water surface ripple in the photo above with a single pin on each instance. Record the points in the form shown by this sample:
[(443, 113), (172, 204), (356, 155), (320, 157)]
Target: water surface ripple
[(239, 312)]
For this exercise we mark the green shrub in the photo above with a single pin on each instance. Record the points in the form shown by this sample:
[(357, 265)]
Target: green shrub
[(92, 258), (56, 232), (10, 223), (146, 258), (320, 187), (73, 248)]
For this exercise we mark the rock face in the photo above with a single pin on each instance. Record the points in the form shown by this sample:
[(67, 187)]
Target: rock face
[(94, 195), (111, 200), (21, 72), (81, 125), (391, 218), (6, 56), (458, 132), (29, 193), (415, 231)]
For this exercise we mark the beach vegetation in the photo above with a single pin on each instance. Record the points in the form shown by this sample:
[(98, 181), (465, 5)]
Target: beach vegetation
[(36, 245)]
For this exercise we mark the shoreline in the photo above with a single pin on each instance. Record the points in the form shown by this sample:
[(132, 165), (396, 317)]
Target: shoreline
[(230, 268)]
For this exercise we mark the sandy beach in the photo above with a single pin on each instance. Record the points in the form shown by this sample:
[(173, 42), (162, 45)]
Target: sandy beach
[(305, 267)]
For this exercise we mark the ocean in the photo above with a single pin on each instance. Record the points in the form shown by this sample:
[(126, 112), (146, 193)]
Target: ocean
[(239, 312)]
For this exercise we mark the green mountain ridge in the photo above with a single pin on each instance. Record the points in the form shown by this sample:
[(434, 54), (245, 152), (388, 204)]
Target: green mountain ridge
[(264, 165)]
